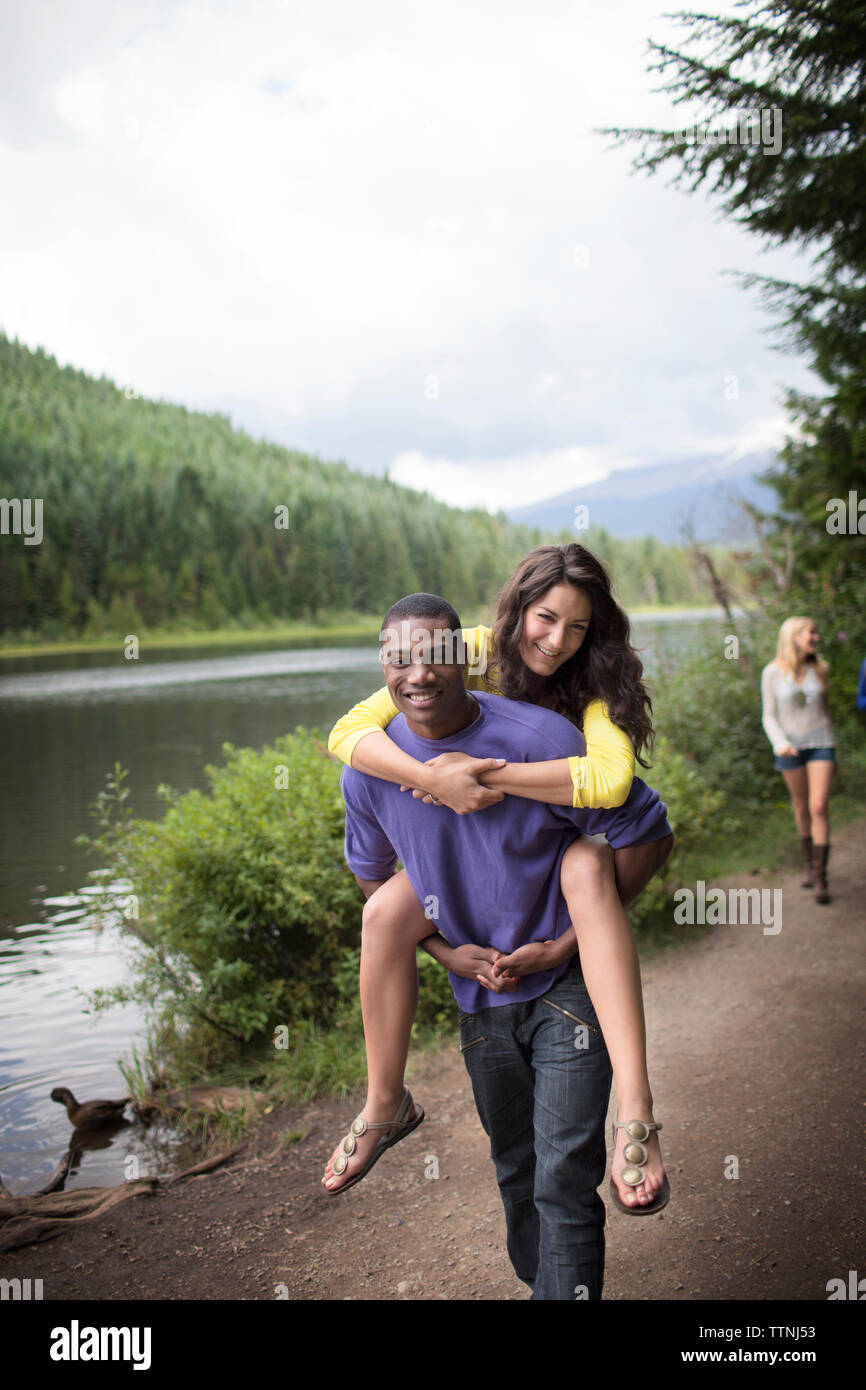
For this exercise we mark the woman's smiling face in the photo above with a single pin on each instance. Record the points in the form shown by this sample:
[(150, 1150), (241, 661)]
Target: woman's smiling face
[(554, 626)]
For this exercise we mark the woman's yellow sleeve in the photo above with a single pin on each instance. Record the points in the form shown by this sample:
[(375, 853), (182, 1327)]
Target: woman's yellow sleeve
[(605, 775), (378, 711), (363, 718), (479, 651)]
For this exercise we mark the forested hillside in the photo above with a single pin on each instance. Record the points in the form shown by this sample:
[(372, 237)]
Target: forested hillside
[(156, 516)]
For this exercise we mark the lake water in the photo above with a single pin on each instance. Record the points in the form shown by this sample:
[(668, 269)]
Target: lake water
[(66, 721)]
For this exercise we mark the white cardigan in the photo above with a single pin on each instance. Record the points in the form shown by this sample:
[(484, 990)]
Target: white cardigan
[(795, 712)]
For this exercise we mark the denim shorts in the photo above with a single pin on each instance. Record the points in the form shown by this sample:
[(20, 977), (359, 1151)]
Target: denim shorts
[(804, 756)]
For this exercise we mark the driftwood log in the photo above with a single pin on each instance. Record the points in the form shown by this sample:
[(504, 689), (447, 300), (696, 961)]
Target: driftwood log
[(36, 1216), (201, 1100)]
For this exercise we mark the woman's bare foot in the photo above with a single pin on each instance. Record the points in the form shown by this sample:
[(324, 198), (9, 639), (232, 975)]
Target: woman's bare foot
[(382, 1112), (646, 1192)]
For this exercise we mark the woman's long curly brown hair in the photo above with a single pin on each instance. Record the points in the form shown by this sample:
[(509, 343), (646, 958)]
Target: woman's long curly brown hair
[(605, 666)]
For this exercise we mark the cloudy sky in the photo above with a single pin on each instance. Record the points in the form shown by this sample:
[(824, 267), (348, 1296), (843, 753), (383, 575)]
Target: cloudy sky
[(382, 231)]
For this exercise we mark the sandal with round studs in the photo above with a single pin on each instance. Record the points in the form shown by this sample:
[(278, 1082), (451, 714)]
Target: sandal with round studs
[(401, 1122), (632, 1175)]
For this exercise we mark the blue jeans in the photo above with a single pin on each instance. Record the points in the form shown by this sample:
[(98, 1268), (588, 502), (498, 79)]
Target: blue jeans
[(541, 1080)]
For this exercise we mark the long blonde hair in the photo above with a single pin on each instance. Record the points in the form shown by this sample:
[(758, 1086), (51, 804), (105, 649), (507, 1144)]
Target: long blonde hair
[(786, 652)]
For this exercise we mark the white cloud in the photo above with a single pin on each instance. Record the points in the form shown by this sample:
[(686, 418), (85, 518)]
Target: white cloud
[(309, 211), (80, 101), (770, 432), (499, 484)]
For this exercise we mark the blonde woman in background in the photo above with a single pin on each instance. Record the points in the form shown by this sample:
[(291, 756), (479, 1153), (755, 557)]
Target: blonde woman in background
[(796, 718)]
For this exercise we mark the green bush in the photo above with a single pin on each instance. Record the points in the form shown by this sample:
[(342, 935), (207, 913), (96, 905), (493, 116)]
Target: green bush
[(248, 916), (712, 761), (697, 813), (245, 902), (709, 709), (436, 1004)]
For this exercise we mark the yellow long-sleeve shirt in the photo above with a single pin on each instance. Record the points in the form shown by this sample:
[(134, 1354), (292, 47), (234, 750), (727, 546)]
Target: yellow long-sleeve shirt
[(602, 778)]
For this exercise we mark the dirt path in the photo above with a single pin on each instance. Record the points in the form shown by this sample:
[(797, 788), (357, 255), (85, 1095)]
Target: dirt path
[(757, 1055)]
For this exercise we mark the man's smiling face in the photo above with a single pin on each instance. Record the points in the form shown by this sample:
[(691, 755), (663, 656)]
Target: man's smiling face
[(423, 661)]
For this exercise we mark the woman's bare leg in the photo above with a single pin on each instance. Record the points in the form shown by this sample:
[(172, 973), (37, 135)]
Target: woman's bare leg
[(819, 778), (593, 878), (797, 783), (393, 924)]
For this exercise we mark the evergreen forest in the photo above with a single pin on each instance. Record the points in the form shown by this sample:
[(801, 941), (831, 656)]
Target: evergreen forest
[(158, 517)]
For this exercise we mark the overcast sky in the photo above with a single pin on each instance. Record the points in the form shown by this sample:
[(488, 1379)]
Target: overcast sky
[(383, 232)]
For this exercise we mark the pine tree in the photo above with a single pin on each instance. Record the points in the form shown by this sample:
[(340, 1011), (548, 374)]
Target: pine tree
[(805, 61)]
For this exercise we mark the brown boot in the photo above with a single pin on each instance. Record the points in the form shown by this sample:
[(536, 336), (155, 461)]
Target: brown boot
[(822, 853), (806, 843)]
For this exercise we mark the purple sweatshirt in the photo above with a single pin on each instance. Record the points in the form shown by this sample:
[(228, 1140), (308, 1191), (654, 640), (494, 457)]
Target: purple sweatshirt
[(490, 878)]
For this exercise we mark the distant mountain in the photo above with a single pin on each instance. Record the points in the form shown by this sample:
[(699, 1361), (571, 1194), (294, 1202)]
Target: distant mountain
[(656, 501)]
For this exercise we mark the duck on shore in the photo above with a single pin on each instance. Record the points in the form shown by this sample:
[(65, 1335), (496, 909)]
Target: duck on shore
[(91, 1114)]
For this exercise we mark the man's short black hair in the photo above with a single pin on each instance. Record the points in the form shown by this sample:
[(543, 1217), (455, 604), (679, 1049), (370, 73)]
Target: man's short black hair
[(422, 606)]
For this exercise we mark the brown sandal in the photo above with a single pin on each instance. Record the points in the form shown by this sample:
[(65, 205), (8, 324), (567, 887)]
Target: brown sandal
[(360, 1126), (632, 1175)]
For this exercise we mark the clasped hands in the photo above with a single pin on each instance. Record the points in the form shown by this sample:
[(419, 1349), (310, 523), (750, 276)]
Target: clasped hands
[(457, 786), (456, 783), (497, 972)]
